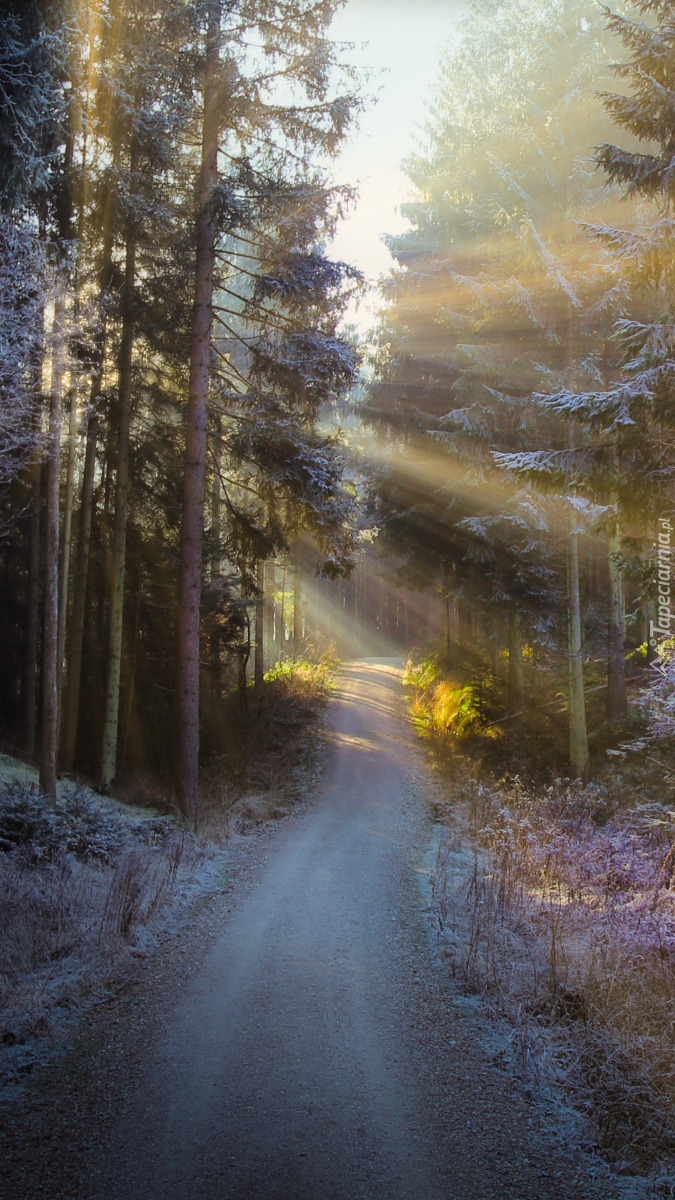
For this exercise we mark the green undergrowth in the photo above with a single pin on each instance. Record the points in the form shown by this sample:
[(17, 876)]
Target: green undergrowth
[(458, 702)]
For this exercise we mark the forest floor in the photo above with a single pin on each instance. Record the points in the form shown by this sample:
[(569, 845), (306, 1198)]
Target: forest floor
[(299, 1037)]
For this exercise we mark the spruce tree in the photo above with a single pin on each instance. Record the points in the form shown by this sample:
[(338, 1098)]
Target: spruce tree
[(497, 296)]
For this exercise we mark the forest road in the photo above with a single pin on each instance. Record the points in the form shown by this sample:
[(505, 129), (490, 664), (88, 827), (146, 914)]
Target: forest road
[(315, 1052)]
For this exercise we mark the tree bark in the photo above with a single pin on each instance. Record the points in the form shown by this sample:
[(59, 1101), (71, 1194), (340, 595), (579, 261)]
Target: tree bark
[(194, 476), (270, 601), (282, 615), (216, 563), (617, 703), (32, 647), (76, 129), (578, 739), (297, 610), (259, 659), (32, 612), (50, 690), (66, 532), (116, 616), (76, 632)]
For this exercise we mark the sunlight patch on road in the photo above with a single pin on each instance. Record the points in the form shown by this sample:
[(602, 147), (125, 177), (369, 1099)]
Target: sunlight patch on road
[(352, 739)]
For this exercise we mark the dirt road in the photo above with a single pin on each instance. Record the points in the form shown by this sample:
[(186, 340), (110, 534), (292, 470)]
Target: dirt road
[(308, 1048)]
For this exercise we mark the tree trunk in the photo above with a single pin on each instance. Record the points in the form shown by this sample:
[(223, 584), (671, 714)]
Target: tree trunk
[(76, 129), (116, 615), (259, 660), (465, 630), (216, 563), (578, 737), (282, 615), (76, 629), (32, 647), (617, 704), (50, 690), (76, 632), (216, 503), (578, 740), (492, 633), (190, 578), (297, 610), (270, 585), (516, 689), (32, 612), (66, 531)]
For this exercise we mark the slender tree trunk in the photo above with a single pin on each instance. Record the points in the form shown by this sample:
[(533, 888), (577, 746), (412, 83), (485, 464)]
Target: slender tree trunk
[(270, 584), (190, 579), (617, 704), (130, 723), (578, 739), (516, 689), (66, 531), (259, 659), (216, 563), (32, 649), (297, 610), (118, 570), (76, 629), (282, 615), (77, 128), (32, 612), (76, 632), (642, 624), (50, 666), (216, 505), (466, 632), (492, 633)]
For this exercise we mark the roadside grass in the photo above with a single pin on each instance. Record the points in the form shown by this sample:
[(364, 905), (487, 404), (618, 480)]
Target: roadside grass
[(84, 888), (555, 902), (459, 702)]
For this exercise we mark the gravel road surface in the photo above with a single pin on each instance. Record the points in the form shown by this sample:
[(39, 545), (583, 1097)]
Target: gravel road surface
[(298, 1041)]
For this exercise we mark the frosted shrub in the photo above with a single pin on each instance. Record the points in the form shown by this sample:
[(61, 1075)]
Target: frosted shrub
[(657, 701), (80, 885), (41, 833), (566, 920)]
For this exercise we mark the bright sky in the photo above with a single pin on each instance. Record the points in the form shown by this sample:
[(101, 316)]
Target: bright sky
[(403, 43)]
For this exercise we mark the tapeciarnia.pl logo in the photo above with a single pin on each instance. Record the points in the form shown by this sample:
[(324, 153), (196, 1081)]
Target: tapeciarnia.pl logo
[(660, 629)]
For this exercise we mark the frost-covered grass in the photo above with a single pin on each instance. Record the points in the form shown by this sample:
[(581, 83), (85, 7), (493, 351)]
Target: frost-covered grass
[(83, 887), (93, 883), (559, 906), (556, 901)]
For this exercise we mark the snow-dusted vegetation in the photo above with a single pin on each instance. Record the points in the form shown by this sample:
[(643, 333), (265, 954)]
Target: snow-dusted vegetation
[(556, 905), (84, 886)]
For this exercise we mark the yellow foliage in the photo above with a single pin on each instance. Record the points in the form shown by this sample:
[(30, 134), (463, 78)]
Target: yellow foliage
[(452, 708)]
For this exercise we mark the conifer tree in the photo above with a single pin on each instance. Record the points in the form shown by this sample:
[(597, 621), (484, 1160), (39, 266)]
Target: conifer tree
[(626, 459), (112, 121), (497, 296)]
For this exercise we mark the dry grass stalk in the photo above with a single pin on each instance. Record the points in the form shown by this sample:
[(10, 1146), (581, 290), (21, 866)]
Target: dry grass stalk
[(560, 911)]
